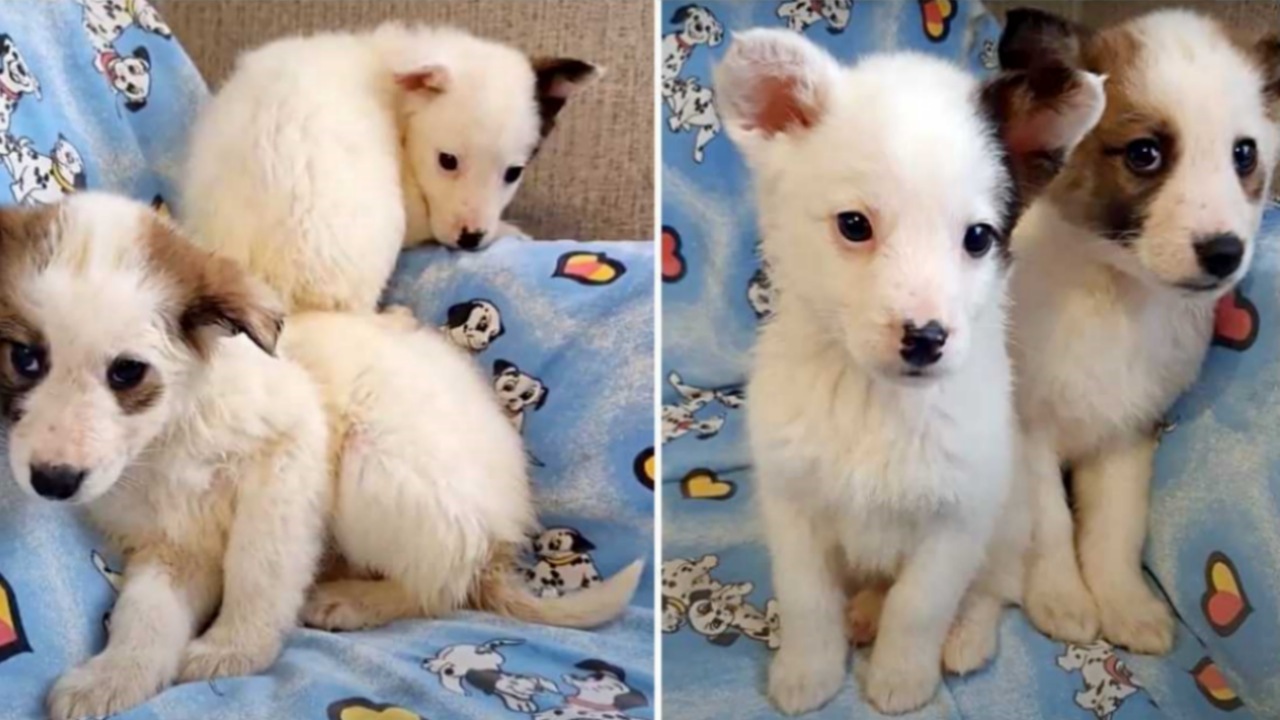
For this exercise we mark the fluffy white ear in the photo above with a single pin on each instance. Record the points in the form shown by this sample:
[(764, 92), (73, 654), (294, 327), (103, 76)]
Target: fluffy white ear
[(1042, 113), (431, 79), (773, 82)]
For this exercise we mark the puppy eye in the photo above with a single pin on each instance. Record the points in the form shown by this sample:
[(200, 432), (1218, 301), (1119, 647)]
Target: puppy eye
[(125, 374), (854, 226), (1143, 156), (979, 238), (513, 173), (28, 361), (1245, 156), (448, 162)]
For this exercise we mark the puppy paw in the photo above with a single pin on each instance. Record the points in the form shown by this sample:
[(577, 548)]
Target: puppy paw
[(862, 616), (214, 657), (506, 229), (1059, 604), (799, 682), (970, 644), (900, 682), (104, 686), (1137, 620), (330, 607)]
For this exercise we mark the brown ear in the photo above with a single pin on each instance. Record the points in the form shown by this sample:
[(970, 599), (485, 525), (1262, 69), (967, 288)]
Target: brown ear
[(25, 234), (772, 82), (557, 80), (1041, 114), (1267, 53), (1034, 37), (227, 301), (431, 79)]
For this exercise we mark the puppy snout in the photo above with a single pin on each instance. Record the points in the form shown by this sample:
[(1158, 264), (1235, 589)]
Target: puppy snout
[(1220, 255), (922, 346), (470, 239), (56, 482)]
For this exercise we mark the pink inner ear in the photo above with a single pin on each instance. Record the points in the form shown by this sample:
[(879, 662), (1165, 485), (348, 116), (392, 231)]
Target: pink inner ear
[(431, 78), (780, 107)]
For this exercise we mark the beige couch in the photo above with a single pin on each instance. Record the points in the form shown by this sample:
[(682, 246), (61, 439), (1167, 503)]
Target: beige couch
[(593, 179)]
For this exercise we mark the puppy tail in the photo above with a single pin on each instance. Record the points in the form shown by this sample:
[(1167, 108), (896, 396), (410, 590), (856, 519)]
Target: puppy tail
[(500, 591)]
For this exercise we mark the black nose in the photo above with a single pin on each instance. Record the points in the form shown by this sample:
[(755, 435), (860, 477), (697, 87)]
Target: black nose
[(470, 239), (1220, 255), (922, 346), (56, 482)]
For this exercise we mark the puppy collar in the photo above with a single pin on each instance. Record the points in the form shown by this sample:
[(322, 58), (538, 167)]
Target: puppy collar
[(601, 707), (679, 604), (8, 92), (130, 6), (680, 43), (61, 179), (560, 560)]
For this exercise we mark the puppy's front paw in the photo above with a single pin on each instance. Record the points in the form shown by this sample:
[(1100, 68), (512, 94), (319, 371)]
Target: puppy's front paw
[(216, 655), (331, 607), (970, 644), (1136, 619), (104, 686), (800, 682), (1060, 605), (899, 682)]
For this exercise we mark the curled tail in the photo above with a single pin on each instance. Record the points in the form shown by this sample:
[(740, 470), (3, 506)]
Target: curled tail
[(500, 591)]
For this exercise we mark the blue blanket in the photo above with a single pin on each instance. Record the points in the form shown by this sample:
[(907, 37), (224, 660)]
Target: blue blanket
[(1214, 544), (101, 97)]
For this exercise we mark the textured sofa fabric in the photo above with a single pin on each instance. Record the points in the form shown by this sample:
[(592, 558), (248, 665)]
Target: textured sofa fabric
[(595, 176)]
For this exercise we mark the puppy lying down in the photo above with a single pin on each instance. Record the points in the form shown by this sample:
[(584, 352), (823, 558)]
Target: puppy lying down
[(140, 381)]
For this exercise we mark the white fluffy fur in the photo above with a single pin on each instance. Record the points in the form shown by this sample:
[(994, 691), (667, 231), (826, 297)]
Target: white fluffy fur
[(215, 494), (318, 159), (1104, 341), (862, 469), (432, 486)]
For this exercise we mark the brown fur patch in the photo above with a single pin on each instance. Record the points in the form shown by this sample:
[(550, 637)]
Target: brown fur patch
[(25, 244), (143, 396), (557, 79), (216, 296)]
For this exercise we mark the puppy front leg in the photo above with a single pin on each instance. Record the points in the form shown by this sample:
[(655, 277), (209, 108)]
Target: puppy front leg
[(1057, 600), (906, 662), (810, 665), (165, 596), (271, 558), (1112, 492)]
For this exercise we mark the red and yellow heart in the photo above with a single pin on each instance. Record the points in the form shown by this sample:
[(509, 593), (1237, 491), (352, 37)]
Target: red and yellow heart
[(1214, 686), (703, 484), (645, 467), (936, 17), (363, 709), (1224, 603), (13, 638), (589, 268)]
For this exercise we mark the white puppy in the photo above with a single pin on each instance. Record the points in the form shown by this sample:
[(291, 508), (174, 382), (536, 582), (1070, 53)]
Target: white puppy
[(1118, 268), (201, 458), (432, 497), (312, 163), (885, 191)]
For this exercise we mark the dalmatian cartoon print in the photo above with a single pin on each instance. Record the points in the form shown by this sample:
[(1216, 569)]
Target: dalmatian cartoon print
[(519, 392), (1107, 681), (680, 418), (563, 563), (40, 179), (599, 692), (691, 105), (718, 611), (105, 21), (113, 577), (801, 14), (761, 293), (16, 81), (473, 325)]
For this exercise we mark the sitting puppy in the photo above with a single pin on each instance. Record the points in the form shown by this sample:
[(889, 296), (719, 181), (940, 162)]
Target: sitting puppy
[(424, 458), (201, 457), (884, 229), (517, 391), (1119, 267), (322, 156)]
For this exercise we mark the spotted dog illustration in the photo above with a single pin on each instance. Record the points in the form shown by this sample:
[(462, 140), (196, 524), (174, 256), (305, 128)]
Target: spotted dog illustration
[(800, 14), (602, 694), (480, 667), (1107, 681), (39, 178), (518, 391), (691, 105), (16, 80), (114, 578), (680, 418), (718, 611), (761, 293), (105, 21), (989, 57), (563, 564), (473, 325), (682, 579)]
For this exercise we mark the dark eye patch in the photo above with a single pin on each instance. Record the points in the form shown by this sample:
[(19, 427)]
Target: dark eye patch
[(136, 385)]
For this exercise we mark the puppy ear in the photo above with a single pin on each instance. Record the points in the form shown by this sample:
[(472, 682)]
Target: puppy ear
[(1034, 37), (142, 54), (630, 700), (1041, 114), (429, 79), (1267, 54), (723, 639), (581, 544), (227, 301), (773, 82), (542, 399), (501, 367), (557, 80)]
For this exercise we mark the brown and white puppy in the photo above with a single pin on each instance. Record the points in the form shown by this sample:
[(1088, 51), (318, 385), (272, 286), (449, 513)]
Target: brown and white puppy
[(1117, 270), (137, 383)]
